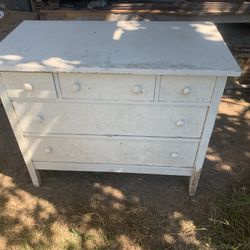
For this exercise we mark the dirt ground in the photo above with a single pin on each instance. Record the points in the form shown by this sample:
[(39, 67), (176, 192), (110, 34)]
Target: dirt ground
[(73, 210)]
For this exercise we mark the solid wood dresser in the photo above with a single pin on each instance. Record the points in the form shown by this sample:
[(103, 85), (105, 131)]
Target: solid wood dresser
[(127, 96)]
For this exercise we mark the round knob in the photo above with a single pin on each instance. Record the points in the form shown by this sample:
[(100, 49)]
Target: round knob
[(39, 118), (28, 86), (174, 155), (76, 87), (186, 91), (48, 150), (180, 123), (137, 89)]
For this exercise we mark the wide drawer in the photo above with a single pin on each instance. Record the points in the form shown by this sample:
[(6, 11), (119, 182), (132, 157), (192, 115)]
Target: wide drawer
[(186, 88), (113, 150), (107, 86), (110, 119), (29, 85)]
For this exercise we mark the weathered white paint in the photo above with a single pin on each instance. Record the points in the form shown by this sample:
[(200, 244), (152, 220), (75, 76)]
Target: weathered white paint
[(111, 119), (69, 166), (29, 85), (34, 175), (155, 117), (157, 48), (207, 131), (186, 88), (107, 86), (113, 151)]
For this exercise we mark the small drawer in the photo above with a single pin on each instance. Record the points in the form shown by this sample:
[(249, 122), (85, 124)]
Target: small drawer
[(29, 85), (110, 119), (107, 86), (186, 88), (113, 150)]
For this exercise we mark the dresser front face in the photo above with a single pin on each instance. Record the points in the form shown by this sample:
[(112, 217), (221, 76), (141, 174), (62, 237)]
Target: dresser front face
[(109, 96), (111, 122)]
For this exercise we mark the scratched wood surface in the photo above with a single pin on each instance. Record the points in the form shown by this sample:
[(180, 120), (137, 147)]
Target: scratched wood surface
[(118, 47)]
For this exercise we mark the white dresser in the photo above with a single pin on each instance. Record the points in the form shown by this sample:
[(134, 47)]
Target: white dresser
[(133, 97)]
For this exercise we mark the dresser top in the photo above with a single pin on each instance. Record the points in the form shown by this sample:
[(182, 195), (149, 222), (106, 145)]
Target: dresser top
[(166, 48)]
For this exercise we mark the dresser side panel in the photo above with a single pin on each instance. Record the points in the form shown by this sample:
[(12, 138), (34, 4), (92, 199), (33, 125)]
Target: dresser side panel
[(210, 120), (34, 174)]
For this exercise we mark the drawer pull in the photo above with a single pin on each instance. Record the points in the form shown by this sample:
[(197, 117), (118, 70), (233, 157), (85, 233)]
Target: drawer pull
[(174, 155), (180, 123), (76, 87), (48, 150), (39, 118), (137, 89), (186, 91), (28, 86)]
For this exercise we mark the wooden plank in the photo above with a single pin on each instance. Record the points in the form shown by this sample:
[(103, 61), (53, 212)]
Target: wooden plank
[(185, 7), (113, 168), (112, 15)]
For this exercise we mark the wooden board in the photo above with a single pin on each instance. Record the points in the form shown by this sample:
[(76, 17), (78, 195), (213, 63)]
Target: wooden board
[(113, 47), (116, 15)]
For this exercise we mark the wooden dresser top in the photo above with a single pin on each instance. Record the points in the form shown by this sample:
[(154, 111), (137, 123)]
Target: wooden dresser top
[(166, 48)]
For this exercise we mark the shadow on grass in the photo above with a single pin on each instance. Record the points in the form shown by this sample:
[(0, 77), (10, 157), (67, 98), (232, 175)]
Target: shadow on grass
[(126, 211)]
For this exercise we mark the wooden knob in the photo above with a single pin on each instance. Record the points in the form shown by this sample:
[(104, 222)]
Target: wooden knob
[(28, 86), (137, 89), (186, 91), (174, 155), (76, 87), (39, 118), (180, 123), (48, 150)]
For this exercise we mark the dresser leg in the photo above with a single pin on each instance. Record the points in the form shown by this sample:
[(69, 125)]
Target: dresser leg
[(193, 182), (34, 175)]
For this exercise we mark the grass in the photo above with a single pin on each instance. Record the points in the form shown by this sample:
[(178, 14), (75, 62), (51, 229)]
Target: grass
[(229, 222), (227, 228)]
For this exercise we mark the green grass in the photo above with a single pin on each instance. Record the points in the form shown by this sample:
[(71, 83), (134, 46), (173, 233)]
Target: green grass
[(229, 222)]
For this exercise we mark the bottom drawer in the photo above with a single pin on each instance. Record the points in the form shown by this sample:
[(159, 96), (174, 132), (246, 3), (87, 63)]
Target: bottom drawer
[(113, 150)]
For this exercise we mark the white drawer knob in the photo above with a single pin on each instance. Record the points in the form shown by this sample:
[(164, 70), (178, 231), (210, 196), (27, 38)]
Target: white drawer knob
[(39, 118), (76, 87), (48, 150), (174, 155), (180, 123), (28, 86), (186, 91), (137, 89)]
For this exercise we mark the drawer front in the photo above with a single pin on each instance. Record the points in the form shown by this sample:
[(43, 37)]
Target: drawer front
[(112, 151), (110, 119), (29, 85), (107, 86), (186, 88)]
